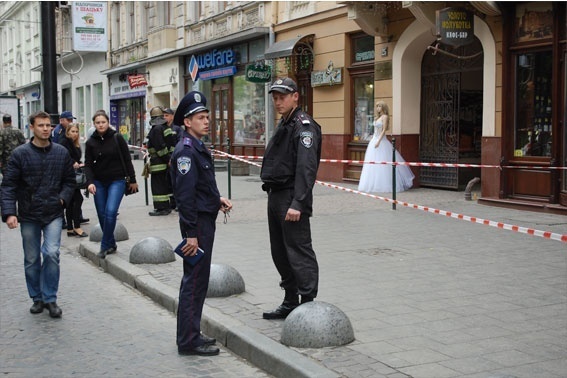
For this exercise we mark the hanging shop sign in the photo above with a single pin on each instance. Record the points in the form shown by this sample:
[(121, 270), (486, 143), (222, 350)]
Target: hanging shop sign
[(327, 77), (138, 80), (212, 64), (258, 73), (455, 26), (90, 30)]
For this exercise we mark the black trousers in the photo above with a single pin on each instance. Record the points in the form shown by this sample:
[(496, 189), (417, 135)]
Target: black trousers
[(161, 190), (292, 250), (73, 211), (194, 286)]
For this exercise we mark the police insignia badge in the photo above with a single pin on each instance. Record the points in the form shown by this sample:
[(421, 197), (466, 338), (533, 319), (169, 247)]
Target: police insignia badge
[(184, 164), (197, 97), (306, 138)]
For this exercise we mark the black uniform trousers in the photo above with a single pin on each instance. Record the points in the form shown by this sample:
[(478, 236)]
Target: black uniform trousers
[(194, 286), (161, 190), (292, 251)]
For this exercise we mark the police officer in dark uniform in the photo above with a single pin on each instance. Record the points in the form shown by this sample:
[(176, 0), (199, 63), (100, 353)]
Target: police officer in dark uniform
[(289, 170), (160, 153), (198, 201)]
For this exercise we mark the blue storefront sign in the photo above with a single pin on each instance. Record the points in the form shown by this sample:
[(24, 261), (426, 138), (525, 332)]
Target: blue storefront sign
[(212, 64)]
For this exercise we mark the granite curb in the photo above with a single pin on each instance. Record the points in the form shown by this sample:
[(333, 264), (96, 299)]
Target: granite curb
[(260, 350)]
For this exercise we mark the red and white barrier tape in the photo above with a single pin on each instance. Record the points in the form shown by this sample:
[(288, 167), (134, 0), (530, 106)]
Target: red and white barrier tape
[(486, 222), (413, 164)]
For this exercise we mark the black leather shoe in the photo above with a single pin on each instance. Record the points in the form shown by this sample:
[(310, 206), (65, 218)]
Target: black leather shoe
[(208, 340), (111, 250), (54, 310), (157, 213), (203, 350), (37, 307), (280, 313), (102, 254), (85, 220), (305, 299)]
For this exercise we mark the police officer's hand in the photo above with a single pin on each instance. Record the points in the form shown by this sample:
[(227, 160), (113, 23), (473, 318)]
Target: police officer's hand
[(292, 215), (191, 246), (226, 205), (92, 189)]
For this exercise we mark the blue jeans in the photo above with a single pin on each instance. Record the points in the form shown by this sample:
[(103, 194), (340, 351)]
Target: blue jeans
[(107, 201), (42, 279)]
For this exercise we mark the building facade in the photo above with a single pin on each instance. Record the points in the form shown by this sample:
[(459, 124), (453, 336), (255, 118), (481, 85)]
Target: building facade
[(20, 53)]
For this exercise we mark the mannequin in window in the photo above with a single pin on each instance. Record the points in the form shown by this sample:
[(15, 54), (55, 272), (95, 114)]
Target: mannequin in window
[(378, 177)]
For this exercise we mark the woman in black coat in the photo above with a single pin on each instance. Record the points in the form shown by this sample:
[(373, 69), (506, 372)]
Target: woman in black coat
[(73, 209)]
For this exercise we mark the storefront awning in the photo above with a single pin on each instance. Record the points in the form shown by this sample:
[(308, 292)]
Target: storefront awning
[(283, 48)]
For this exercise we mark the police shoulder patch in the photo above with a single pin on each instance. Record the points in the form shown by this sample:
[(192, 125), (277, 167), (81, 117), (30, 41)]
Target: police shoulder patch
[(187, 142), (306, 138), (184, 164)]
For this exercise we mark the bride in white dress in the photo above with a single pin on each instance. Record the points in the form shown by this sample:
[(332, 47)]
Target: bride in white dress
[(378, 177)]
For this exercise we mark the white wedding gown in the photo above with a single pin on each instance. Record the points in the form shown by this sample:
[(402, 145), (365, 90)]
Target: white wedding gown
[(378, 177)]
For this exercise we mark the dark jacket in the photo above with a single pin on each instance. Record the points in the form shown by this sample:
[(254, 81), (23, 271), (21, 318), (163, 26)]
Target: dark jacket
[(102, 159), (37, 180), (292, 158), (194, 185), (74, 152)]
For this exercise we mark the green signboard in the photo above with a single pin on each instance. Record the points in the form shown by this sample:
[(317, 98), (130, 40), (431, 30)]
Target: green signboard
[(258, 73)]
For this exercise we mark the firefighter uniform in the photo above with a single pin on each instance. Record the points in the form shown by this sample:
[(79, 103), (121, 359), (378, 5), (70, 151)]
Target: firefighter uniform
[(289, 170), (160, 151), (198, 202)]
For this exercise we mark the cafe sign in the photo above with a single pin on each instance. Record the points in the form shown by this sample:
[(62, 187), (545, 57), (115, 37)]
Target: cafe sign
[(455, 26), (258, 73), (328, 77)]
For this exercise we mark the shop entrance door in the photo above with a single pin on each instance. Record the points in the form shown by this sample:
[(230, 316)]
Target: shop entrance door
[(451, 115), (220, 116)]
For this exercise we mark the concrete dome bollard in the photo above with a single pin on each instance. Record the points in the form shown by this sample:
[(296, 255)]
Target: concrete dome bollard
[(224, 281), (120, 233), (152, 250), (316, 325)]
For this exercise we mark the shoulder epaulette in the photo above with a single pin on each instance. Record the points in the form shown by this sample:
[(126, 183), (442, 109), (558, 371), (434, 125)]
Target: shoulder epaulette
[(303, 119), (187, 142)]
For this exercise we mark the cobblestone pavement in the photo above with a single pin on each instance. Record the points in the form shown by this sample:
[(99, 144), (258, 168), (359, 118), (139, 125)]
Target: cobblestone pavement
[(107, 328), (427, 295)]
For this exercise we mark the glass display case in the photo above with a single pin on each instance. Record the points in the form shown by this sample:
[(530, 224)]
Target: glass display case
[(533, 105)]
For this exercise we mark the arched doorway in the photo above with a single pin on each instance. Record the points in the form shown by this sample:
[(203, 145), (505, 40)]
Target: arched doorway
[(451, 114)]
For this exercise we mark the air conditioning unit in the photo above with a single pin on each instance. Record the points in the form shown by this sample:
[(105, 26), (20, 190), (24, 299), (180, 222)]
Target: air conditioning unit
[(12, 83)]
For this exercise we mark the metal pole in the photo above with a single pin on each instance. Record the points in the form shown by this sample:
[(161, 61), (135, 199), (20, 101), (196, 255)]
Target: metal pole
[(49, 53), (228, 168), (394, 173), (146, 182)]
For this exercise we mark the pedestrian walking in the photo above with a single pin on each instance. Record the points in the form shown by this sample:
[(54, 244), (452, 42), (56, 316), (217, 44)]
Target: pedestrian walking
[(198, 201), (40, 179), (110, 173), (289, 170), (73, 211), (160, 152), (65, 119), (10, 138)]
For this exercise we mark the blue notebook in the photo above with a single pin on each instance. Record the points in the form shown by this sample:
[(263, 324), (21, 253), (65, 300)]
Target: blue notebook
[(192, 260)]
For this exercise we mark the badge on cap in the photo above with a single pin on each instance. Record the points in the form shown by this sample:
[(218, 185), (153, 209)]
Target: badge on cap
[(306, 138), (197, 97), (184, 164)]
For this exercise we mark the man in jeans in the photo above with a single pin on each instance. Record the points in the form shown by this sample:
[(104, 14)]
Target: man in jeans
[(40, 178)]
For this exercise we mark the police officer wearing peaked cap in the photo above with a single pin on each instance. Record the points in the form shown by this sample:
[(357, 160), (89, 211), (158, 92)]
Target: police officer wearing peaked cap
[(199, 201), (289, 170)]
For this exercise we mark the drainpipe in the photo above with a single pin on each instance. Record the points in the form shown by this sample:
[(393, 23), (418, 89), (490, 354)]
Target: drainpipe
[(469, 187), (268, 103)]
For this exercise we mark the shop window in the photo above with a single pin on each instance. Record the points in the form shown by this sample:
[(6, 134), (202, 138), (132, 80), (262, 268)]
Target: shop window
[(249, 112), (364, 108), (533, 104), (363, 49)]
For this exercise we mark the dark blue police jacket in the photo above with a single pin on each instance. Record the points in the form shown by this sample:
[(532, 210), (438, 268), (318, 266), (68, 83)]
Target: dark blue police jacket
[(194, 185)]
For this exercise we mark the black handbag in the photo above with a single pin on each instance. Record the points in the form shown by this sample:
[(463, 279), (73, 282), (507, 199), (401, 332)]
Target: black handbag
[(80, 178), (127, 191)]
